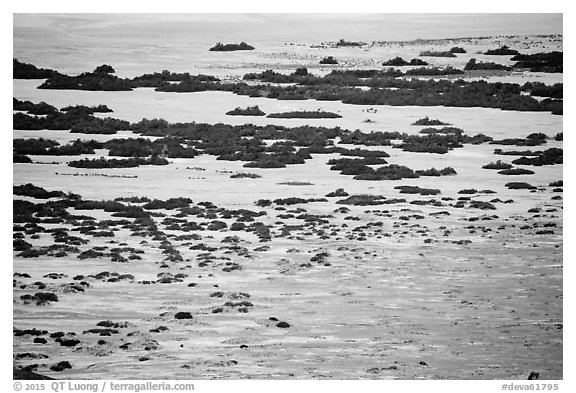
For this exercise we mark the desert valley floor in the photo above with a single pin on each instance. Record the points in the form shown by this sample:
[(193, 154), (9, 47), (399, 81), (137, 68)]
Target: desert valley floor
[(206, 269)]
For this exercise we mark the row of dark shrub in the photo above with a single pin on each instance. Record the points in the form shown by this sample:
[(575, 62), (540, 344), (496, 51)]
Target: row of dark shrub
[(337, 86), (246, 143), (102, 163), (219, 47), (78, 119)]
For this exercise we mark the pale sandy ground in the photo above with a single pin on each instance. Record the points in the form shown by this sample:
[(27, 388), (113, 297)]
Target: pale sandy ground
[(491, 309), (488, 310)]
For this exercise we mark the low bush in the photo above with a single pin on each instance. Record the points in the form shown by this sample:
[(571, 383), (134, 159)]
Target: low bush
[(502, 51), (448, 171), (328, 60), (437, 54), (426, 121), (338, 193), (457, 49), (472, 65), (249, 111), (519, 186), (547, 157), (305, 115), (497, 165), (244, 175), (417, 190), (31, 190), (219, 47), (101, 163), (516, 171)]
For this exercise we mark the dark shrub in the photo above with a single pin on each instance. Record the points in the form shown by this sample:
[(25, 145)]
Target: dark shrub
[(216, 226), (426, 121), (448, 171), (183, 315), (249, 111), (547, 157), (243, 175), (363, 200), (61, 366), (473, 65), (437, 54), (516, 171), (541, 62), (502, 51), (21, 245), (219, 47), (519, 186), (45, 297), (21, 159), (434, 71), (482, 205), (36, 192), (417, 190), (497, 165), (303, 71), (305, 115), (338, 193), (396, 62), (67, 342), (328, 60), (457, 49), (238, 226), (169, 204), (28, 71), (104, 69), (117, 163)]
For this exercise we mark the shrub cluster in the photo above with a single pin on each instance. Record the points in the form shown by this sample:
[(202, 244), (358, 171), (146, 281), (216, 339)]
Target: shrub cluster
[(473, 65), (457, 49), (249, 111), (426, 121), (516, 171), (433, 71), (100, 163), (520, 186), (497, 165), (339, 86), (429, 53), (31, 190), (329, 60), (318, 114), (417, 190), (48, 147), (547, 157), (400, 62), (540, 62), (502, 51), (219, 47), (29, 71)]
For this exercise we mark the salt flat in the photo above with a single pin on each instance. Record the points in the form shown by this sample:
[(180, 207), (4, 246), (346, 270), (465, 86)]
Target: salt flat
[(390, 291)]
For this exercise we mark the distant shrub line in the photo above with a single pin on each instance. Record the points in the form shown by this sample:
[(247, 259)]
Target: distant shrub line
[(336, 86), (400, 62), (426, 121), (102, 163), (249, 111), (219, 47), (429, 53), (318, 114)]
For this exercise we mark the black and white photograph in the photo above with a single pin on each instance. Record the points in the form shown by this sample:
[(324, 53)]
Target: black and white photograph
[(287, 196)]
